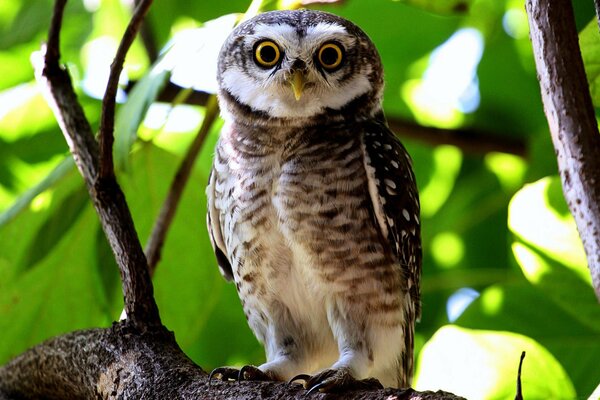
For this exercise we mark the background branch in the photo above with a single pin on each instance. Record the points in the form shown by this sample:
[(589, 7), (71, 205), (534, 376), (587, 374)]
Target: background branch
[(570, 114), (469, 140), (167, 212)]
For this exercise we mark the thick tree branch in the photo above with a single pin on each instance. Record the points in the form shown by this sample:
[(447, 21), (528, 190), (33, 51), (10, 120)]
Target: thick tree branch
[(167, 212), (106, 194), (118, 363), (570, 114), (469, 140), (107, 120)]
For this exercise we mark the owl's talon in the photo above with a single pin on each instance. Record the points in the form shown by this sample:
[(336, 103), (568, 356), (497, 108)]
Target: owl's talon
[(252, 373), (332, 380), (226, 374), (300, 377)]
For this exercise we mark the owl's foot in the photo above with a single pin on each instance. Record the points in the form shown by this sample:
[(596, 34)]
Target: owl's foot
[(246, 373), (336, 380)]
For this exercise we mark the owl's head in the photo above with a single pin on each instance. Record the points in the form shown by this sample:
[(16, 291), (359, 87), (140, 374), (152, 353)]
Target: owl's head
[(288, 67)]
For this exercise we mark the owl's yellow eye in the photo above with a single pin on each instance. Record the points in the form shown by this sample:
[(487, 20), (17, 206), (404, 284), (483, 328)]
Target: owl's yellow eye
[(330, 56), (267, 54)]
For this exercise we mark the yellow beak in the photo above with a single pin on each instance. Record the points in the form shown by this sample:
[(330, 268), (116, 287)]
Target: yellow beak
[(297, 82)]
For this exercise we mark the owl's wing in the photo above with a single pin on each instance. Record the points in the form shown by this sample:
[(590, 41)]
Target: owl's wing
[(214, 229), (395, 200)]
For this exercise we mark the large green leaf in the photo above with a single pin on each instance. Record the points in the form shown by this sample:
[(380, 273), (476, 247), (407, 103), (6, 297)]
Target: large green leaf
[(480, 364), (523, 309), (549, 251), (131, 114)]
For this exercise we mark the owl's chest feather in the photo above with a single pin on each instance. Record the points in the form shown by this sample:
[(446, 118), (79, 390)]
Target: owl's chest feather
[(311, 182)]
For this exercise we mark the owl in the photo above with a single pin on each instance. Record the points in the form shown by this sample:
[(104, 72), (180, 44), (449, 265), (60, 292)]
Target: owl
[(313, 209)]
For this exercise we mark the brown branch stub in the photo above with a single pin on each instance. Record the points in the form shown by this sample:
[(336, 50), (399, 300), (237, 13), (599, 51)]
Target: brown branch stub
[(167, 212), (107, 120), (570, 113)]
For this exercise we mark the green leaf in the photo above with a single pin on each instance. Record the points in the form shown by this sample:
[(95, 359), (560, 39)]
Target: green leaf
[(108, 270), (523, 309), (54, 229), (549, 251), (538, 215), (480, 364), (26, 198), (131, 114)]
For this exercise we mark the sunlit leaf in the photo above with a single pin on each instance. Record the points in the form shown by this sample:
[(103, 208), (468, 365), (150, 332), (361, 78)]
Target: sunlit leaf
[(54, 229), (522, 308), (130, 115), (538, 215), (25, 199), (483, 365)]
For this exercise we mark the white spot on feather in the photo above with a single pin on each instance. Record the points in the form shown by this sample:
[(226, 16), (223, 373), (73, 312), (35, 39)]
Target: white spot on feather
[(372, 184), (406, 214)]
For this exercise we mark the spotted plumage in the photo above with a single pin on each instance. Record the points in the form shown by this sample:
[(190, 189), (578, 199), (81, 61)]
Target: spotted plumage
[(313, 209)]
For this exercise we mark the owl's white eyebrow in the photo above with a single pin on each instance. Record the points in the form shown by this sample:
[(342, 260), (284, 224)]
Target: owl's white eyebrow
[(325, 29), (279, 32)]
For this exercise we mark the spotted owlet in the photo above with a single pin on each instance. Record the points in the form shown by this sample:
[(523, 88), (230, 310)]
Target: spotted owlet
[(313, 210)]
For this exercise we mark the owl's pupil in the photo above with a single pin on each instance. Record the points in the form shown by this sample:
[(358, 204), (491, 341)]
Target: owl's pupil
[(329, 56), (268, 54)]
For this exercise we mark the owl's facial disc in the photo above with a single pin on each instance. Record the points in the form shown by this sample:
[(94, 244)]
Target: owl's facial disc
[(287, 72)]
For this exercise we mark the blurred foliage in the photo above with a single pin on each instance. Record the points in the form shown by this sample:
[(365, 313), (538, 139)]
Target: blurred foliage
[(504, 270)]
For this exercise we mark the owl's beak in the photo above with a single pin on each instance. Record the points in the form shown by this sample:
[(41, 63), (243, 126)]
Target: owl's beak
[(297, 82)]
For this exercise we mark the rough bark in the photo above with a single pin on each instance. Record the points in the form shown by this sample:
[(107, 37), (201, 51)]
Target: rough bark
[(570, 114), (120, 363)]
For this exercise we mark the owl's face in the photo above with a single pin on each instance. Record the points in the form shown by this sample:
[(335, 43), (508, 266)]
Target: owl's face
[(294, 65)]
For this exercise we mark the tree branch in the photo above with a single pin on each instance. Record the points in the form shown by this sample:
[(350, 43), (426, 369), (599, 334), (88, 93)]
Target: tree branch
[(167, 212), (570, 114), (108, 199), (469, 140), (107, 120), (116, 363), (148, 38)]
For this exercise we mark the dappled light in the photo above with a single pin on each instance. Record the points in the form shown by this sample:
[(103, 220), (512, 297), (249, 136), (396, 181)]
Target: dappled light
[(482, 364), (448, 249), (449, 86), (447, 161)]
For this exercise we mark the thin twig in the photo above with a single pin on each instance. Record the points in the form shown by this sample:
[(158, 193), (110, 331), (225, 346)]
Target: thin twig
[(107, 121), (53, 46), (167, 212), (570, 113), (519, 394), (148, 38)]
